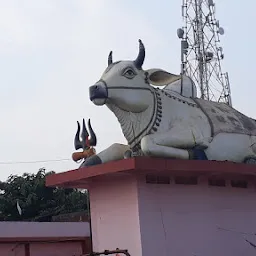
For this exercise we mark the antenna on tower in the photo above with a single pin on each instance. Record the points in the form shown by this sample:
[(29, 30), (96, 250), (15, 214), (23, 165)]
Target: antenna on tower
[(201, 53)]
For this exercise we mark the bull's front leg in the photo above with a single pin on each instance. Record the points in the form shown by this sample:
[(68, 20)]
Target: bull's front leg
[(179, 142), (112, 153)]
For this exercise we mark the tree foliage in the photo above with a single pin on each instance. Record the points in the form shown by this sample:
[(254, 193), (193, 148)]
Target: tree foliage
[(37, 202)]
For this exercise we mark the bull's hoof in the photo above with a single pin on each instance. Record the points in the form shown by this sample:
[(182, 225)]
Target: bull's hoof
[(127, 154), (197, 154), (250, 160), (92, 160), (130, 154)]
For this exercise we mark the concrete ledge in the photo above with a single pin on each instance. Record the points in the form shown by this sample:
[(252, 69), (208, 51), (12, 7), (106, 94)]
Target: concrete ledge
[(80, 178)]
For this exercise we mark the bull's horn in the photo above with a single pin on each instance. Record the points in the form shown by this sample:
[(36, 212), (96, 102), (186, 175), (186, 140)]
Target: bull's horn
[(110, 59), (93, 139), (77, 142), (141, 56)]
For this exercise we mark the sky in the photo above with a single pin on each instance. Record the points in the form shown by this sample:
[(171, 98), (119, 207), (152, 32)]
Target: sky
[(51, 51)]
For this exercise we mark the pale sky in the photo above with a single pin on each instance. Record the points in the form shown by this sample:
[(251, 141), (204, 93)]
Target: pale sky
[(51, 51)]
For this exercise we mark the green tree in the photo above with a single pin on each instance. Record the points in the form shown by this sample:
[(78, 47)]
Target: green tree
[(37, 202)]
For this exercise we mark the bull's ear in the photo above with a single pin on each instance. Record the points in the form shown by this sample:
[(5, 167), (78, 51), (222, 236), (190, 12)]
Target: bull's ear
[(160, 77)]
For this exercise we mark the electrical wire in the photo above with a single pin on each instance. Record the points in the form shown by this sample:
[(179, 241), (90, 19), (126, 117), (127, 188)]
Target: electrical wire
[(35, 161)]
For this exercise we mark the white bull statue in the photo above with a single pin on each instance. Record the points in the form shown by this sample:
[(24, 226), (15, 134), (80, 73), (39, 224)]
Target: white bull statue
[(165, 123)]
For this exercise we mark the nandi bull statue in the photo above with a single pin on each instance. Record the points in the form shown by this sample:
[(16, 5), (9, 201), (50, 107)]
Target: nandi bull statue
[(166, 123)]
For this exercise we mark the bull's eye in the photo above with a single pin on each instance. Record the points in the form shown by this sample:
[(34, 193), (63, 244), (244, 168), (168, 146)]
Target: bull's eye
[(129, 73)]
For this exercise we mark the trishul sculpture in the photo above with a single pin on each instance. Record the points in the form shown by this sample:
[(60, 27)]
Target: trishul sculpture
[(169, 122), (86, 144)]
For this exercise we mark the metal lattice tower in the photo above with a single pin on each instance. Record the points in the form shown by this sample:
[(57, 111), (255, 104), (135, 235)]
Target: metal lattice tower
[(201, 53)]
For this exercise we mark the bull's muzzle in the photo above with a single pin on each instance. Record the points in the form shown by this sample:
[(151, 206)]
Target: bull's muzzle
[(98, 93)]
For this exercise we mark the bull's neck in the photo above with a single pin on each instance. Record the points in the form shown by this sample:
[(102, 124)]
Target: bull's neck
[(136, 125)]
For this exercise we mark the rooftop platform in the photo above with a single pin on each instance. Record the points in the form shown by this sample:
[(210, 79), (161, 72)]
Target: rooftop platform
[(81, 178)]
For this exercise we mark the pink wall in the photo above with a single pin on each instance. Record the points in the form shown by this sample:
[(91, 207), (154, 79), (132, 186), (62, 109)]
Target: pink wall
[(43, 238), (196, 219), (12, 250), (114, 214), (172, 219), (56, 249), (42, 249)]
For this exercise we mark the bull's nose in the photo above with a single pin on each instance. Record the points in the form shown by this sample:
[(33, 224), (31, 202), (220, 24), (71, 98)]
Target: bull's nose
[(98, 91)]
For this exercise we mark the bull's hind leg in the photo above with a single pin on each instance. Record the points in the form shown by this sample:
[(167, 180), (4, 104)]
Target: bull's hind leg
[(232, 147)]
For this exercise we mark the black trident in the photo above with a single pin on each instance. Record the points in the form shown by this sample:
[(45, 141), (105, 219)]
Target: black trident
[(85, 143)]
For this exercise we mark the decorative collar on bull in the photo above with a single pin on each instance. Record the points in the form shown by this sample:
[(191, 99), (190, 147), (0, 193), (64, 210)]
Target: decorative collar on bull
[(163, 122)]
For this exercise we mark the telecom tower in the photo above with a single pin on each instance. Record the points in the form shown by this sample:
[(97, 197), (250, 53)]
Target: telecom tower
[(201, 53)]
